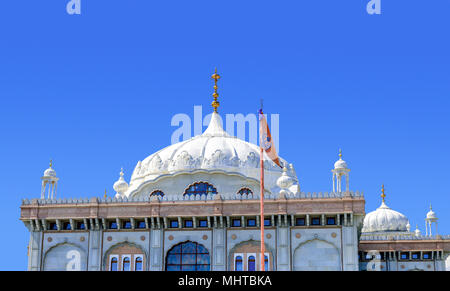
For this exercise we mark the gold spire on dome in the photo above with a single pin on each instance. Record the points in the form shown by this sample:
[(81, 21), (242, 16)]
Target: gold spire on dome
[(105, 194), (340, 154), (51, 163), (382, 193), (215, 104)]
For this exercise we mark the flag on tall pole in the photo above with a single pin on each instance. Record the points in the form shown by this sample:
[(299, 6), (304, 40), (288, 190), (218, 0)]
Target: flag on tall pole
[(266, 145)]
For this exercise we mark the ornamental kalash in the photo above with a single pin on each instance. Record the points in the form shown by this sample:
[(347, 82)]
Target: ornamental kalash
[(195, 205)]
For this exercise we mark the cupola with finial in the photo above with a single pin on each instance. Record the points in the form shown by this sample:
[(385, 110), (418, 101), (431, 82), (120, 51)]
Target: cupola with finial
[(339, 172), (49, 182), (120, 186)]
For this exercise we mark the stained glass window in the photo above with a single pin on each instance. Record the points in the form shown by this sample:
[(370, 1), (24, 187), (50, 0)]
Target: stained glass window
[(245, 191), (251, 222), (300, 221), (188, 223), (238, 264), (251, 263), (188, 256), (200, 189), (157, 193)]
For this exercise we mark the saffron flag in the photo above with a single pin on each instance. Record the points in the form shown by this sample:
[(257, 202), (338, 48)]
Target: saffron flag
[(265, 139)]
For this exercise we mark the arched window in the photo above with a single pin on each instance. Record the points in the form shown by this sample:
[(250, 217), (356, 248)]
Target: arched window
[(138, 264), (188, 256), (114, 264), (200, 189), (266, 263), (126, 264), (238, 263), (157, 193), (251, 263), (245, 191)]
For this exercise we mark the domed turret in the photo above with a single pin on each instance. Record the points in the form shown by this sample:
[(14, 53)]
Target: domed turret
[(340, 164), (431, 218), (417, 231), (340, 170), (50, 181), (384, 219), (120, 186)]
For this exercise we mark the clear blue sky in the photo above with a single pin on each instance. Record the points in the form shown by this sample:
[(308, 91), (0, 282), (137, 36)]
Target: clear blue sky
[(97, 91)]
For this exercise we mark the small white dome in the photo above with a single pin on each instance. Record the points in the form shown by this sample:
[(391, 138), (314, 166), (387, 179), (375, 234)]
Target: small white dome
[(49, 173), (285, 181), (431, 214), (120, 186), (340, 164), (417, 231), (385, 219)]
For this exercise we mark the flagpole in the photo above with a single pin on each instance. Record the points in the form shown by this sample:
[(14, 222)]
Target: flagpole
[(261, 158)]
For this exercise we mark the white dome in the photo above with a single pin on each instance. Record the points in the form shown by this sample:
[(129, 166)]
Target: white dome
[(214, 150), (49, 173), (120, 186), (385, 219), (431, 214), (285, 181), (340, 164)]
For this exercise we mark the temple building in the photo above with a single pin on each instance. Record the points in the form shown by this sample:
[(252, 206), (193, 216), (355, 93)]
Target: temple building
[(194, 205)]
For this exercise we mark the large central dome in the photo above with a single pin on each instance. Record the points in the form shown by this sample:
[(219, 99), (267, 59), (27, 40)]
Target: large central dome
[(214, 150)]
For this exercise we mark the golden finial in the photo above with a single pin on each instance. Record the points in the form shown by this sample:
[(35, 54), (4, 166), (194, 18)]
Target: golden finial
[(105, 194), (340, 154), (382, 192), (215, 104), (51, 163)]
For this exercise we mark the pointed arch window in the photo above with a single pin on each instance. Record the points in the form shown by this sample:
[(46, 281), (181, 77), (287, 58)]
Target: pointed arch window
[(200, 188), (157, 193), (243, 191)]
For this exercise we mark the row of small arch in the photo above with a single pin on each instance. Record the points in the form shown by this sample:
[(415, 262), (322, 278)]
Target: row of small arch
[(201, 188)]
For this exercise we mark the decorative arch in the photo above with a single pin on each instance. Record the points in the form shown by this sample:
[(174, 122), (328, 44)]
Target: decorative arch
[(188, 256), (65, 257), (200, 188), (248, 248), (316, 255), (157, 192), (245, 190), (123, 248)]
